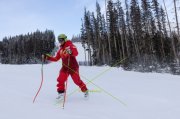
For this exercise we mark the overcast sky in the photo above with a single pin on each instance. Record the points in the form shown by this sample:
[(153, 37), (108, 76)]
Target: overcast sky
[(61, 16)]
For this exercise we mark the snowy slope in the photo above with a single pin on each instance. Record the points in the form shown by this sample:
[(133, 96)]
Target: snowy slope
[(146, 95)]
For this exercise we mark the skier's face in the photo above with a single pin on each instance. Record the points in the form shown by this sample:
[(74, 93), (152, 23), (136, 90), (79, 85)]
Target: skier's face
[(61, 41)]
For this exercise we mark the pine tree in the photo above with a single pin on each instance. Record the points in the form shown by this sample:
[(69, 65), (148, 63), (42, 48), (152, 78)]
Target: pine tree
[(149, 30), (136, 26), (163, 21), (123, 44), (167, 17), (176, 16), (146, 16), (89, 32), (83, 39), (109, 17), (99, 32), (156, 9)]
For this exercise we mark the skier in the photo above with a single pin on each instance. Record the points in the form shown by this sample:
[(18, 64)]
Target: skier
[(67, 53)]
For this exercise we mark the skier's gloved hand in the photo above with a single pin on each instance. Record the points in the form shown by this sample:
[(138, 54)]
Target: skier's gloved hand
[(69, 51), (44, 57)]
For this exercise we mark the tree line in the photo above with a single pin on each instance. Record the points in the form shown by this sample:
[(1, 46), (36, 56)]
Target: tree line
[(137, 35), (76, 38), (26, 49)]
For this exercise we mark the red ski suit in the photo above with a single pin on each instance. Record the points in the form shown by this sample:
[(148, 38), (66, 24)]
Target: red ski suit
[(69, 66)]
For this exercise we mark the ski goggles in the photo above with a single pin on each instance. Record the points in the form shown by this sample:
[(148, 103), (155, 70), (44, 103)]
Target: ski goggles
[(60, 39)]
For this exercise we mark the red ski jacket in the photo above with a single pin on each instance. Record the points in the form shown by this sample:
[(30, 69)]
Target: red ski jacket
[(69, 61)]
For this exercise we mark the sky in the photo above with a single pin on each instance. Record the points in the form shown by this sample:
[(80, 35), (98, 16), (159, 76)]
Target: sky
[(62, 16), (23, 16)]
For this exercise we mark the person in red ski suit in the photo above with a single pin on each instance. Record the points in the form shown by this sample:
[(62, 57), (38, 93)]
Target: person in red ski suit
[(67, 53)]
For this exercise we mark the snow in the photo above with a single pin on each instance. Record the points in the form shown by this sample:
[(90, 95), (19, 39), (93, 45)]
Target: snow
[(146, 95)]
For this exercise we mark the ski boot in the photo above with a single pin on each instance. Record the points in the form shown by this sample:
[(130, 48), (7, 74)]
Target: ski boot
[(60, 96)]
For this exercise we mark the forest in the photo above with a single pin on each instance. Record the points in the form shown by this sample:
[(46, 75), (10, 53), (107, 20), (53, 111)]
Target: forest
[(137, 36), (26, 49)]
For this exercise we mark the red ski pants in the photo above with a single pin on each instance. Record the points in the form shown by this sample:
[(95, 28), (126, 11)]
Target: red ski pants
[(62, 78)]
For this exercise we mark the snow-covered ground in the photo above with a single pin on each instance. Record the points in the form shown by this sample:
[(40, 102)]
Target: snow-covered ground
[(146, 95)]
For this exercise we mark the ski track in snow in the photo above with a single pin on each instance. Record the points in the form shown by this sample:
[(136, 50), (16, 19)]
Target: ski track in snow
[(146, 95)]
